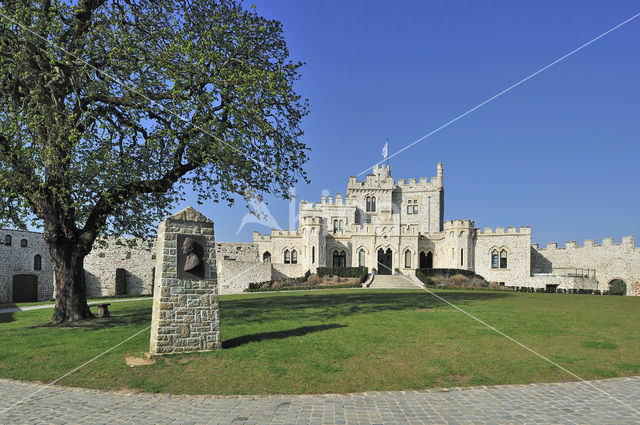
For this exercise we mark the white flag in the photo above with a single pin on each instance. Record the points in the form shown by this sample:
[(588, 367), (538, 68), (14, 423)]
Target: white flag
[(385, 150)]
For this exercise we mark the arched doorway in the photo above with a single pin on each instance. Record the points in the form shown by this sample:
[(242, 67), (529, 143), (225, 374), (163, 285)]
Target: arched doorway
[(426, 260), (25, 288), (385, 265), (617, 287)]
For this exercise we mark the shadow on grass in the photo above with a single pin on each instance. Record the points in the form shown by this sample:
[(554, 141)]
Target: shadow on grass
[(241, 340), (6, 317), (131, 316), (334, 306)]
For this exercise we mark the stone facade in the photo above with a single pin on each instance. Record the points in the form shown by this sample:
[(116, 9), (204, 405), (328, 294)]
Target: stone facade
[(18, 260), (185, 314), (403, 218), (135, 256)]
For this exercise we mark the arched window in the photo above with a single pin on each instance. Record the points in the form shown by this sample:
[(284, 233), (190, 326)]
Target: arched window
[(368, 204), (503, 259), (287, 257), (373, 204), (7, 240), (313, 255), (361, 258), (407, 259), (335, 226), (343, 259), (294, 257), (494, 259), (37, 262), (340, 225), (24, 243), (336, 259), (266, 257)]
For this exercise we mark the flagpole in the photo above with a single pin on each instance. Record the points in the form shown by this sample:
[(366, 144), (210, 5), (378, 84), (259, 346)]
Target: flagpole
[(387, 152)]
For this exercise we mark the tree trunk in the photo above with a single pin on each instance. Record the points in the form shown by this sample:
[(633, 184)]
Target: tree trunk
[(71, 292)]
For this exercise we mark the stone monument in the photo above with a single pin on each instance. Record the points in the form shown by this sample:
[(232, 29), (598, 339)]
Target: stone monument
[(185, 298)]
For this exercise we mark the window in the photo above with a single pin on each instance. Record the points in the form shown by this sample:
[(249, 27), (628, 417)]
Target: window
[(407, 259), (335, 226), (367, 218), (368, 204), (356, 217), (462, 256), (494, 259), (373, 204), (415, 207), (313, 255), (37, 262), (7, 240), (409, 207), (287, 257), (294, 257), (340, 225), (266, 257), (339, 259), (361, 258), (24, 243), (503, 259)]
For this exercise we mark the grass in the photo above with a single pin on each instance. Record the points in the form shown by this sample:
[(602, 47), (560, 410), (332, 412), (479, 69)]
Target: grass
[(342, 341)]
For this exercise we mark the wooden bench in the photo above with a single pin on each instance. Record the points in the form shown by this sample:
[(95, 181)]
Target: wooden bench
[(103, 309)]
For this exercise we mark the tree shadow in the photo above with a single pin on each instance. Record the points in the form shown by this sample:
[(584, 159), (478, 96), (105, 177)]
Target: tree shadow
[(339, 305), (130, 316), (6, 317), (245, 339)]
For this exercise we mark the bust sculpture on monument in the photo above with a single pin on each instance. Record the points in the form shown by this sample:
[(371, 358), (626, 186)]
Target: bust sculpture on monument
[(192, 261)]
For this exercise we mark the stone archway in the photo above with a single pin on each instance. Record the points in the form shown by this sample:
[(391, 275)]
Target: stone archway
[(25, 288), (385, 262)]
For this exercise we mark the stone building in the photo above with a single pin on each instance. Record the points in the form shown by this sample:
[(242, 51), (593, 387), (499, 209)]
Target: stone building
[(380, 223)]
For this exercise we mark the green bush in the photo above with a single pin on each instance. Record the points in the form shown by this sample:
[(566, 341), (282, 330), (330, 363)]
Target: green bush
[(617, 287), (359, 272), (447, 273)]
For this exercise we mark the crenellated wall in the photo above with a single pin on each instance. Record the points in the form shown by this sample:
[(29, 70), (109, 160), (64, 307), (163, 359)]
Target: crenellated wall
[(610, 260), (516, 243)]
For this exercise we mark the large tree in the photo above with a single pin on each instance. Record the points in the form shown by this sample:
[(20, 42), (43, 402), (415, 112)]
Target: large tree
[(109, 109)]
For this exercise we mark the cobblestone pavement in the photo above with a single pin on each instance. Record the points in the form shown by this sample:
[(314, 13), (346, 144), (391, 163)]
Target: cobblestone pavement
[(564, 403)]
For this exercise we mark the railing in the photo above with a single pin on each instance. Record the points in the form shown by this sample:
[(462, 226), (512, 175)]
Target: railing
[(570, 272)]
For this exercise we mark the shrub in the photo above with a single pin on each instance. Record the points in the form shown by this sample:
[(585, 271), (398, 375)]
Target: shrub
[(314, 280), (278, 284), (259, 285), (458, 279), (359, 272), (306, 275)]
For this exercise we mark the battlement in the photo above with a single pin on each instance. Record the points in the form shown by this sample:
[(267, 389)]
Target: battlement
[(523, 230), (458, 224), (257, 237), (628, 241)]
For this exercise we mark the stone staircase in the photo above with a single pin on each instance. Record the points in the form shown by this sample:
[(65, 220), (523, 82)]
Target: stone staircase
[(392, 282)]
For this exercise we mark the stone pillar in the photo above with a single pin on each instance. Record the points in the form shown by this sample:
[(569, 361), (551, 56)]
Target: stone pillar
[(185, 297)]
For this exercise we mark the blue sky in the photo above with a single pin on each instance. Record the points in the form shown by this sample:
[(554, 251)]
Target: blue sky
[(559, 153)]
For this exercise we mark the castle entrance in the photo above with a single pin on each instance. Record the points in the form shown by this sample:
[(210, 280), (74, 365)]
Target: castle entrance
[(384, 261), (25, 288)]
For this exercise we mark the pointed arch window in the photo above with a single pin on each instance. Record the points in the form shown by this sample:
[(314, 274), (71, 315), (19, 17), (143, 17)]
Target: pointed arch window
[(37, 262), (335, 226), (373, 204), (361, 258), (503, 259), (287, 257), (407, 259), (340, 225), (266, 257), (294, 257), (495, 262), (368, 203)]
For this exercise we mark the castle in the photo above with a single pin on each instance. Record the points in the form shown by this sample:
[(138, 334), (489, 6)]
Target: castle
[(382, 224)]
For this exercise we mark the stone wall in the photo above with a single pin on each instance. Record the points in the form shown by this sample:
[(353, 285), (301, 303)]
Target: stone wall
[(610, 260), (284, 271), (562, 282), (239, 251), (16, 259), (136, 256), (235, 276)]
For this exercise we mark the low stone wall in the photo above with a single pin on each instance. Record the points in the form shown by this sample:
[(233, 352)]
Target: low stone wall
[(138, 261), (235, 276), (284, 271), (563, 282)]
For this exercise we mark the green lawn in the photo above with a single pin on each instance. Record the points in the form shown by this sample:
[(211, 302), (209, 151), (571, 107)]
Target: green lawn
[(342, 341)]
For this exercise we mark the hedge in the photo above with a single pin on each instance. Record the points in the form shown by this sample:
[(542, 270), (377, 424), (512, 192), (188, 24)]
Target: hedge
[(305, 287), (360, 272), (423, 274)]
